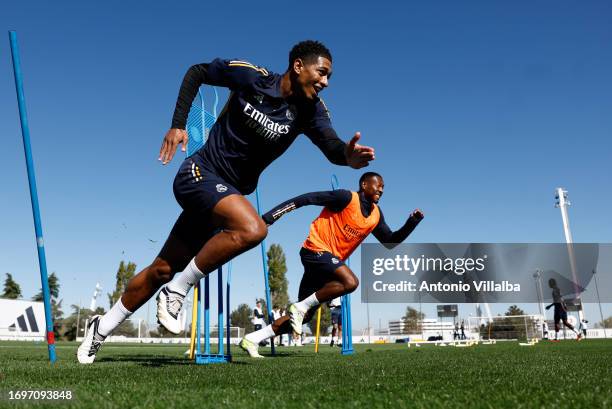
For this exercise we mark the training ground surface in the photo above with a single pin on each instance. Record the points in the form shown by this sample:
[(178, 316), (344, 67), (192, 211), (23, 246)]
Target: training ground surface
[(567, 374)]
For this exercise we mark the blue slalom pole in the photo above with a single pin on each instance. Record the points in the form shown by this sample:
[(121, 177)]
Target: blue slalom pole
[(227, 306), (25, 132), (220, 313), (345, 303), (207, 315), (198, 302), (264, 260), (347, 324)]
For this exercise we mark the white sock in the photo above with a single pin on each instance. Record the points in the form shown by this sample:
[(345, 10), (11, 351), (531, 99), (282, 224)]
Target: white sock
[(258, 336), (307, 303), (113, 318), (186, 279)]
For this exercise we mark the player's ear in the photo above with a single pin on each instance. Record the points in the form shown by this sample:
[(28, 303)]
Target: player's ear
[(298, 66)]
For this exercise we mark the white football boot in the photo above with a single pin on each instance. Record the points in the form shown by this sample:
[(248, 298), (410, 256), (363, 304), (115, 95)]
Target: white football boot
[(169, 304), (92, 343)]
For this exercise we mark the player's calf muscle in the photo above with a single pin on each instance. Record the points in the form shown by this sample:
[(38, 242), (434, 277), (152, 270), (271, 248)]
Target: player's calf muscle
[(160, 272)]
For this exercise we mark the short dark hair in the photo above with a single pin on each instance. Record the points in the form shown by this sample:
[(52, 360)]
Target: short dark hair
[(308, 51), (367, 176)]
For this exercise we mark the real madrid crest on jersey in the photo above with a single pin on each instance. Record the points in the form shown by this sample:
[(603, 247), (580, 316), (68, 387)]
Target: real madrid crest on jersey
[(290, 115), (259, 98)]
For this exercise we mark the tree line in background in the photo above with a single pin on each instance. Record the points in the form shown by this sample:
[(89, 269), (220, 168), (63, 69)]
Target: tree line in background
[(65, 327)]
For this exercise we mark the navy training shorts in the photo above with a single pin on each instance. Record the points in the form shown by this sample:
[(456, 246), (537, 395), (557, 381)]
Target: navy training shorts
[(560, 314), (197, 189), (319, 268)]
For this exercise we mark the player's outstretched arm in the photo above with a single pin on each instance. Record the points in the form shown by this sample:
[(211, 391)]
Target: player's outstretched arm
[(337, 151), (336, 200), (358, 156), (390, 239)]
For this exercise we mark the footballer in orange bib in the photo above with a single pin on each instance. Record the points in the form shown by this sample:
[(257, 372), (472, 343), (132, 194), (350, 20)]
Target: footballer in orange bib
[(345, 221), (341, 232)]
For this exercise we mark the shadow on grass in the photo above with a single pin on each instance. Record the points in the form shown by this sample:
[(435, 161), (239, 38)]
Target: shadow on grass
[(154, 361), (147, 360), (295, 354)]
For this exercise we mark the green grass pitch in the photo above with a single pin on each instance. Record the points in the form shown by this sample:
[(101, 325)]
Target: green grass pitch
[(567, 374)]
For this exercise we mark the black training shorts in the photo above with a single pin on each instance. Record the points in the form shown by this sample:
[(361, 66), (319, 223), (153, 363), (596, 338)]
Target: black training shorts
[(319, 268), (560, 313), (198, 189)]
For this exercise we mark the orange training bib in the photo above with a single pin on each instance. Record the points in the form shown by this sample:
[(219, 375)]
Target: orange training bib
[(340, 233)]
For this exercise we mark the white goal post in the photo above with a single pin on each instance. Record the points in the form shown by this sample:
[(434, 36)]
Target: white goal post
[(507, 327)]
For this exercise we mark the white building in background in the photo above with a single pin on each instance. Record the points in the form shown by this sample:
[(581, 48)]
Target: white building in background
[(430, 328), (22, 320)]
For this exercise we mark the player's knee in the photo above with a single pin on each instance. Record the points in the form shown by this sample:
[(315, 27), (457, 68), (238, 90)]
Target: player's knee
[(251, 234), (351, 284)]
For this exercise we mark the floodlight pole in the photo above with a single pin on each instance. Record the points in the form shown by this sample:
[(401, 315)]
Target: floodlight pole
[(562, 203), (538, 279), (25, 132), (94, 297), (78, 318), (599, 302), (479, 312), (368, 315)]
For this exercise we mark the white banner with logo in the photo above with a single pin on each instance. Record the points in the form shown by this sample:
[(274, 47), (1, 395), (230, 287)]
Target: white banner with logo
[(22, 320)]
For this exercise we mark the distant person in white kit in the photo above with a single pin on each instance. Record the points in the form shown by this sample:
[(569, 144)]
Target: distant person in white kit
[(584, 326), (276, 314), (258, 316)]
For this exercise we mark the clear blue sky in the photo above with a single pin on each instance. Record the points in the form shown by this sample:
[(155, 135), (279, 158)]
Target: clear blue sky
[(477, 111)]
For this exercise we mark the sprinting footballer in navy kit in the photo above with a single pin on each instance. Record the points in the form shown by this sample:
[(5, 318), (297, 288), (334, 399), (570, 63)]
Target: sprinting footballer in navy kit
[(264, 114), (560, 310)]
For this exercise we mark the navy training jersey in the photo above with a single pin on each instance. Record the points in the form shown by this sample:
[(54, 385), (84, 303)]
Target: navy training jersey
[(257, 124)]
